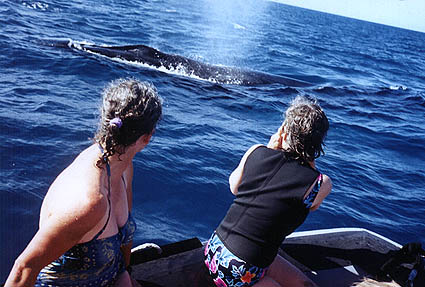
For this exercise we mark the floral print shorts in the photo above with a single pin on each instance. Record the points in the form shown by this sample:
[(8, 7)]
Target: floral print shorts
[(226, 269)]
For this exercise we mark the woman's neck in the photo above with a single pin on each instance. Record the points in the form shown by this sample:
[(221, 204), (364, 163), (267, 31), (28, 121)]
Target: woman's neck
[(118, 162), (285, 147)]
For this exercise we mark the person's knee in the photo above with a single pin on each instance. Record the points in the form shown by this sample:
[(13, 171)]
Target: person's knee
[(267, 281), (309, 284), (123, 280)]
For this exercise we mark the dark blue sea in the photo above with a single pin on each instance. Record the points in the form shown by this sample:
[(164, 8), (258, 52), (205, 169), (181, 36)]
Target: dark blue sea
[(369, 79)]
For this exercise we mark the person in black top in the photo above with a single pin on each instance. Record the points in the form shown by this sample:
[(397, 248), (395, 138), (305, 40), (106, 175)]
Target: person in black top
[(276, 186)]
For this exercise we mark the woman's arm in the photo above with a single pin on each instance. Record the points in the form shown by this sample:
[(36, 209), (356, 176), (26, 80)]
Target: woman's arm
[(236, 176), (128, 176), (58, 233), (324, 191)]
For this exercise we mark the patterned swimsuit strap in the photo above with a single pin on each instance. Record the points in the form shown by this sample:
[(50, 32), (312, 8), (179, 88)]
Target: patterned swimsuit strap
[(108, 172), (308, 201)]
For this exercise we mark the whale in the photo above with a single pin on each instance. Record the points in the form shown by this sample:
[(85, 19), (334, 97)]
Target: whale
[(171, 62)]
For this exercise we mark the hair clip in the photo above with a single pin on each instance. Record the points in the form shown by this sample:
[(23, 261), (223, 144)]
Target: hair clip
[(116, 121)]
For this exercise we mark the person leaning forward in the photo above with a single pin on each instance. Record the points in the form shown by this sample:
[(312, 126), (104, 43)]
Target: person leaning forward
[(276, 186)]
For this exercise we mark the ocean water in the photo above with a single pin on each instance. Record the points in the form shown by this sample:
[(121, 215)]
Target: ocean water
[(369, 79)]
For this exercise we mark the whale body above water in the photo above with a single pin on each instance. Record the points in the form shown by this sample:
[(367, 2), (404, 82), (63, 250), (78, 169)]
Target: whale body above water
[(152, 57)]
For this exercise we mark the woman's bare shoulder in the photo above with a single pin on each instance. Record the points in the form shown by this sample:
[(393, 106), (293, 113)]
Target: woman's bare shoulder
[(71, 202), (76, 193)]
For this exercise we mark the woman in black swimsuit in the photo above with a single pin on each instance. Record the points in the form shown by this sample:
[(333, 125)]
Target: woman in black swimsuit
[(275, 186)]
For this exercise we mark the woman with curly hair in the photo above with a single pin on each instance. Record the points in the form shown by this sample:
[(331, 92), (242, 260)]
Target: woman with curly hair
[(275, 187), (86, 229)]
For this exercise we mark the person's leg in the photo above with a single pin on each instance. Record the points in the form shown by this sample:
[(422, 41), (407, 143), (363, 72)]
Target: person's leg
[(267, 281), (286, 274), (123, 280), (134, 282)]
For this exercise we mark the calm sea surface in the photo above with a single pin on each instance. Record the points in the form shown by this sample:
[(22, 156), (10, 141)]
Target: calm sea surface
[(369, 78)]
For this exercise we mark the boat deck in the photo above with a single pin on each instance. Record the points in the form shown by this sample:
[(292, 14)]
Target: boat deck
[(336, 257)]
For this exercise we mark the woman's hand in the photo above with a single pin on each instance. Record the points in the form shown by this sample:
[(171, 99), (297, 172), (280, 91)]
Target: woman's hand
[(276, 139)]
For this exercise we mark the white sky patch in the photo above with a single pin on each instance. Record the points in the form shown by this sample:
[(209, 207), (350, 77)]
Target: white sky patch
[(408, 14)]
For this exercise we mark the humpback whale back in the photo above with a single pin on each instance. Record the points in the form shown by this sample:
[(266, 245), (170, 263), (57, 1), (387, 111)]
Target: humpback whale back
[(182, 65)]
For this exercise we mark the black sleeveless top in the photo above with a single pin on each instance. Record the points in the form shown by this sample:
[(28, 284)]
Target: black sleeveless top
[(268, 206)]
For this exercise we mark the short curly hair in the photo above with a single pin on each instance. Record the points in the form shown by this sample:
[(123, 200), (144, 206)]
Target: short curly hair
[(306, 126), (138, 107)]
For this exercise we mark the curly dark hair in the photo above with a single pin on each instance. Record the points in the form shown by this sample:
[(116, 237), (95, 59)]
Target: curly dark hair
[(136, 105), (306, 125)]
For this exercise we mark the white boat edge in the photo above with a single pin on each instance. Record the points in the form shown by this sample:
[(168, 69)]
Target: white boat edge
[(341, 230), (299, 234)]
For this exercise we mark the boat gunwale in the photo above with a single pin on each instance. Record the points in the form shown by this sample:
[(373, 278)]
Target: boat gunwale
[(316, 232)]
